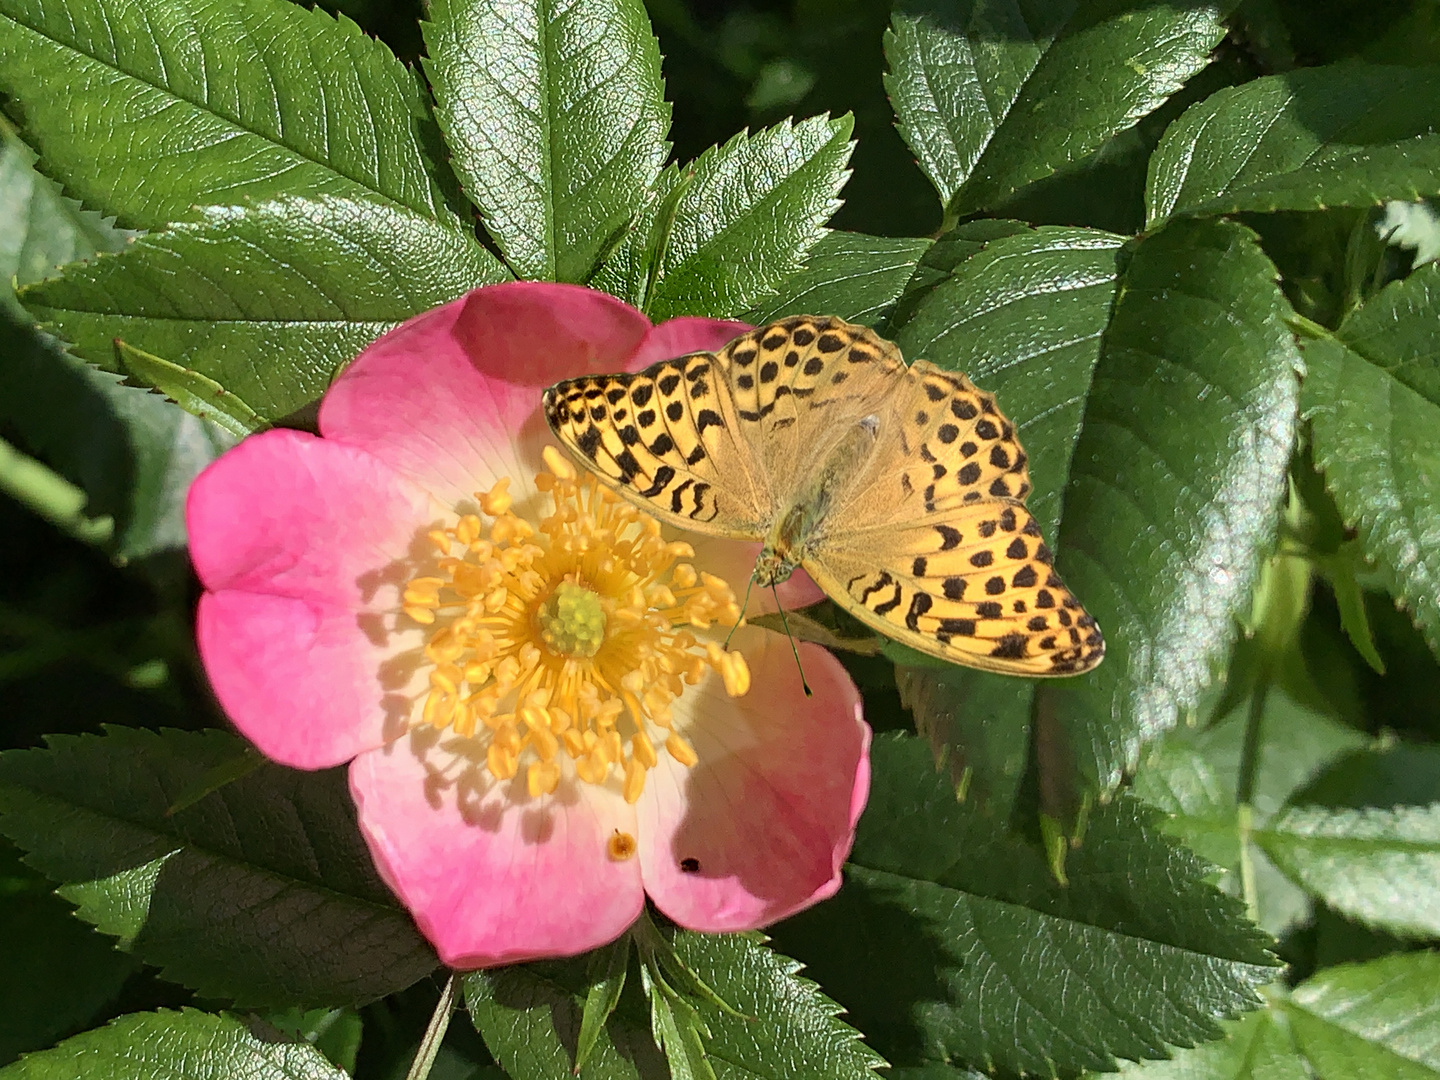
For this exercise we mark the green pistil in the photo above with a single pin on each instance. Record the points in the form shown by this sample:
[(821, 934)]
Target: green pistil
[(572, 621)]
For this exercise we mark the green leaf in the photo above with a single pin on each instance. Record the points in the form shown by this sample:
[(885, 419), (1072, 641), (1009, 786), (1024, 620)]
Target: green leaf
[(1375, 1019), (1256, 1047), (1400, 774), (556, 119), (1380, 867), (190, 390), (1345, 135), (1194, 775), (267, 302), (279, 101), (530, 1016), (335, 1033), (1373, 399), (1342, 572), (132, 453), (1396, 331), (43, 228), (981, 959), (262, 892), (168, 1045), (993, 97), (607, 982), (854, 276), (736, 222), (55, 972), (942, 259), (678, 1030), (1164, 523)]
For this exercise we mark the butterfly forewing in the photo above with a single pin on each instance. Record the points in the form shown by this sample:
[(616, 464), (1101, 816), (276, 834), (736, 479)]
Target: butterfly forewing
[(665, 438)]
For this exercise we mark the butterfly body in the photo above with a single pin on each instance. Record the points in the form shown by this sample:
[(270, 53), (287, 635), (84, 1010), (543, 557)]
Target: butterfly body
[(899, 488), (792, 536)]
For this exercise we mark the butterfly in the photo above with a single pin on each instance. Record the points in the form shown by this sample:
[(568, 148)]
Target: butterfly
[(900, 489)]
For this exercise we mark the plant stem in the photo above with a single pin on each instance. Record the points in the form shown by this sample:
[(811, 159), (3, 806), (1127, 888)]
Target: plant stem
[(51, 496), (429, 1047), (1245, 790)]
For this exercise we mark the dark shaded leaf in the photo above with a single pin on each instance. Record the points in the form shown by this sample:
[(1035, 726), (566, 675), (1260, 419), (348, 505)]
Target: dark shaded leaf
[(262, 892), (976, 956)]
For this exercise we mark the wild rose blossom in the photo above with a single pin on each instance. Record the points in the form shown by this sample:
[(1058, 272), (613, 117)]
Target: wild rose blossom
[(525, 672)]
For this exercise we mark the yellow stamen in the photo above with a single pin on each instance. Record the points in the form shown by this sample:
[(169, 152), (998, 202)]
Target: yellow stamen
[(564, 643)]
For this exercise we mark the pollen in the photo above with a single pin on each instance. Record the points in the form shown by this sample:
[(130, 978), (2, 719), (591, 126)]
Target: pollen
[(562, 645)]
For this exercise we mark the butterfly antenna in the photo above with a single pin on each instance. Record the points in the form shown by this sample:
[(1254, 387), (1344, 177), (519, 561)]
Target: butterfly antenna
[(744, 606), (795, 651)]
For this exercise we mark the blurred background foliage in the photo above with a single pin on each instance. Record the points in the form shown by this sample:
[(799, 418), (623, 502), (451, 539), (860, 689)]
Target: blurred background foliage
[(96, 596)]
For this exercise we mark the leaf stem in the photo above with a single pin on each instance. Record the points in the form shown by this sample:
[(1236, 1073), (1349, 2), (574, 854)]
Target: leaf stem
[(429, 1047)]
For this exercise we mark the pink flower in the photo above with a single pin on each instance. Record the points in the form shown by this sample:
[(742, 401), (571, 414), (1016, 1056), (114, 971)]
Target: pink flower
[(524, 672)]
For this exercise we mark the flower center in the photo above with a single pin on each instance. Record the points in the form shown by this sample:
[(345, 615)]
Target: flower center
[(563, 647), (572, 621)]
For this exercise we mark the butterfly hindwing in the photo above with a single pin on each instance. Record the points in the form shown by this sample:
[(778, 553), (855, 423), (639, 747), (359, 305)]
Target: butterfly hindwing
[(664, 438), (971, 583)]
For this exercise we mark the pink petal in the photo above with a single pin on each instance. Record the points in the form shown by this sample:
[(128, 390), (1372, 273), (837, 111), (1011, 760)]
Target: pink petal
[(452, 397), (310, 684), (492, 876), (290, 514), (687, 334), (768, 814), (304, 545)]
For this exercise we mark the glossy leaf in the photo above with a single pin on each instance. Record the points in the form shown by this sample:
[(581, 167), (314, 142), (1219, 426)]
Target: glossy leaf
[(993, 97), (1345, 135), (981, 959), (280, 100), (556, 119), (851, 275), (262, 892), (43, 229), (267, 302), (167, 1045), (1373, 399), (531, 1014), (1166, 443), (726, 229)]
